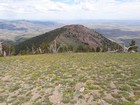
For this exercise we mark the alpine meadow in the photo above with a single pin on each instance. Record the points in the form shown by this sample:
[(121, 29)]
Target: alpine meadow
[(69, 79), (69, 52)]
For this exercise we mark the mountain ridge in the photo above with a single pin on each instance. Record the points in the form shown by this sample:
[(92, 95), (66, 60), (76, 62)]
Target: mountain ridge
[(74, 35)]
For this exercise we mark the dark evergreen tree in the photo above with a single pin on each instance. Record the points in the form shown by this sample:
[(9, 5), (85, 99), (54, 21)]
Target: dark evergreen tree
[(44, 47), (80, 49), (98, 49), (133, 46), (133, 43), (22, 52)]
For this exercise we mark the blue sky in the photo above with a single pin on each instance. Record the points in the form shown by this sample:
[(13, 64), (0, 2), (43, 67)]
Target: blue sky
[(69, 9)]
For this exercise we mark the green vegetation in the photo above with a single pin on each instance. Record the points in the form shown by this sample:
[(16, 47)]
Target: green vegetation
[(133, 46), (70, 78), (70, 38), (38, 41)]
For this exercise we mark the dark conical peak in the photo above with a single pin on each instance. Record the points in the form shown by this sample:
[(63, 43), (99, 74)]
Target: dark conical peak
[(76, 27)]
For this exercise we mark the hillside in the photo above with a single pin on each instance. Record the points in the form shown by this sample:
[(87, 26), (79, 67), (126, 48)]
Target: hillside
[(70, 79), (73, 36)]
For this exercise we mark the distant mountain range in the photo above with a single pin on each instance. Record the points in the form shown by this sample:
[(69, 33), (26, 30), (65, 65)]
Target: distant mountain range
[(121, 36), (118, 33), (70, 36), (22, 29)]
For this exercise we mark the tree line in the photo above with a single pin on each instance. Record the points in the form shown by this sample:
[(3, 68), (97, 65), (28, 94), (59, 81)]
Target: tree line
[(53, 47)]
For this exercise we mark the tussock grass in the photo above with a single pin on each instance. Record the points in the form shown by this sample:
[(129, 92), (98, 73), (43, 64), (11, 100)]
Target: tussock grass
[(75, 78)]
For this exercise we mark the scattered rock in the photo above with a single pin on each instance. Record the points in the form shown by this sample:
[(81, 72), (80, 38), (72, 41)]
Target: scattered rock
[(82, 89), (112, 85)]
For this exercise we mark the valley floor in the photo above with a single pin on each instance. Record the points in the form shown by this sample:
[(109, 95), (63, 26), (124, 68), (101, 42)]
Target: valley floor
[(70, 79)]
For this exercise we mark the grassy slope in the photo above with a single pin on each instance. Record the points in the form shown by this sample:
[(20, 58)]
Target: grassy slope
[(82, 78)]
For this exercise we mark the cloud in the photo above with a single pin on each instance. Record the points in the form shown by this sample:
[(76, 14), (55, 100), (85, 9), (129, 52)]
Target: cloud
[(69, 9)]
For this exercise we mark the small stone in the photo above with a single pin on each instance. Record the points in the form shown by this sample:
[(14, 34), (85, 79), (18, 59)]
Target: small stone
[(112, 85), (82, 89)]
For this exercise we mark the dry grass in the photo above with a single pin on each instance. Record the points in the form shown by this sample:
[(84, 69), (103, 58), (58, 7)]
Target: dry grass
[(70, 79)]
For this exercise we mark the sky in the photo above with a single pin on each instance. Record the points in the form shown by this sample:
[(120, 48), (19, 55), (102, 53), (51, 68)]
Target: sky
[(69, 9)]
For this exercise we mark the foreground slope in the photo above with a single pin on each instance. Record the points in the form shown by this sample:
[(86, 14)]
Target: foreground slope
[(68, 79), (70, 35)]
